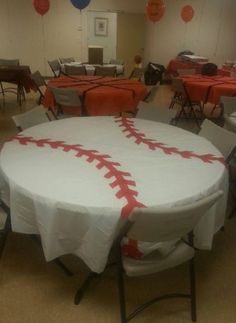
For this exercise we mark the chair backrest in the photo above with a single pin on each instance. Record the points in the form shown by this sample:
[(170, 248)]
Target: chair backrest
[(221, 138), (9, 62), (186, 71), (55, 67), (230, 123), (116, 62), (228, 103), (75, 70), (158, 224), (31, 118), (105, 71), (178, 86), (66, 60), (149, 112), (38, 79), (137, 74), (66, 97), (151, 94)]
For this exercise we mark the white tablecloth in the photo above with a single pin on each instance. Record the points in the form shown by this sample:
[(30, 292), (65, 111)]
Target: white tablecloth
[(91, 68), (72, 180)]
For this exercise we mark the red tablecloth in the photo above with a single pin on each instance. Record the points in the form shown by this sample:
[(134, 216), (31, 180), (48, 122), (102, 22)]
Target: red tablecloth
[(209, 88), (176, 64), (102, 95)]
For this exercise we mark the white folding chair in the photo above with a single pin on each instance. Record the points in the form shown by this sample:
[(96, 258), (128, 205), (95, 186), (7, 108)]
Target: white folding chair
[(149, 112), (227, 105), (221, 138), (31, 118), (158, 225)]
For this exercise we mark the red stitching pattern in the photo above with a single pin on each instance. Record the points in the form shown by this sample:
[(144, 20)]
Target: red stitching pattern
[(152, 144), (120, 177)]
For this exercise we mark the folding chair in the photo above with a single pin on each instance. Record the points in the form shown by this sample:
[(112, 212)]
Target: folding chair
[(225, 141), (230, 123), (67, 98), (75, 70), (172, 227), (150, 96), (105, 71), (40, 84), (149, 112), (66, 60), (19, 91), (55, 67), (227, 105), (31, 118), (181, 98)]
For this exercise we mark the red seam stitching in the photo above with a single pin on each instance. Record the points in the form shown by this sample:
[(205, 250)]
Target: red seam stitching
[(152, 144), (102, 162)]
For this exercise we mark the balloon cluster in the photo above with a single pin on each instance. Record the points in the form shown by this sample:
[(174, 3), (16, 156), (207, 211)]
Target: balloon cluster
[(42, 6), (155, 10)]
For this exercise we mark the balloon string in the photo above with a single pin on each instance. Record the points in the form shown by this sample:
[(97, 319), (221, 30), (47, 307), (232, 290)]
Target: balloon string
[(44, 46)]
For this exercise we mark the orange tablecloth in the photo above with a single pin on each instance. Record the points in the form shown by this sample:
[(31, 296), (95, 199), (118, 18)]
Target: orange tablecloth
[(176, 64), (209, 88), (102, 95)]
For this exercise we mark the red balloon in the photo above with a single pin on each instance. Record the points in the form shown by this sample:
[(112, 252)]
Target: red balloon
[(41, 6), (187, 13), (155, 9)]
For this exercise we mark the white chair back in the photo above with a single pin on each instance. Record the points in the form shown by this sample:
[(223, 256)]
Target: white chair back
[(150, 112), (230, 123), (228, 103), (159, 224), (221, 138), (31, 118)]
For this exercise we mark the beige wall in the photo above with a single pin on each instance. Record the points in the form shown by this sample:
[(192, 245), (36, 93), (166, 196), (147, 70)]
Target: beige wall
[(62, 32), (130, 38), (211, 32)]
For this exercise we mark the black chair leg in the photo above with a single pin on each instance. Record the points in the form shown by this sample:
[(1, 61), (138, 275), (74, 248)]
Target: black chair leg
[(80, 292), (7, 228), (193, 291), (121, 290)]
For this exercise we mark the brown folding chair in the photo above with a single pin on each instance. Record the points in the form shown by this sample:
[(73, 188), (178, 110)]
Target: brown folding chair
[(105, 71), (75, 70)]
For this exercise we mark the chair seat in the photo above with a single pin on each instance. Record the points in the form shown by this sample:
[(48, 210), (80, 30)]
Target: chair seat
[(156, 262)]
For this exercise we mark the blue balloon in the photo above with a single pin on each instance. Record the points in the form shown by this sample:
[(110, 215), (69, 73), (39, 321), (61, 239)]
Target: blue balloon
[(80, 4)]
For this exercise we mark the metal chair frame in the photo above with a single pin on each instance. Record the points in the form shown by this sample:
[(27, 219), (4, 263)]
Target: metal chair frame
[(55, 67), (39, 82), (143, 225), (182, 98)]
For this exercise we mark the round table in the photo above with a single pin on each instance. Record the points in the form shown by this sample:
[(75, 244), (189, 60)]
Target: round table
[(73, 180), (101, 95), (209, 88)]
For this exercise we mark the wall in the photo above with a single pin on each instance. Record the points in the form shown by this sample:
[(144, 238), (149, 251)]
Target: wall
[(211, 32), (131, 33), (62, 32), (108, 42)]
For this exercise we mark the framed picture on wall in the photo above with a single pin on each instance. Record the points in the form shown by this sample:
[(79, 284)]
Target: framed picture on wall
[(101, 26)]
